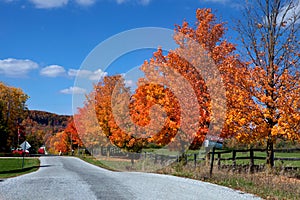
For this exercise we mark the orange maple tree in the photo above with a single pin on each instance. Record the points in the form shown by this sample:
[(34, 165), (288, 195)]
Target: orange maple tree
[(71, 131), (200, 68), (59, 142), (172, 105), (159, 127), (269, 107), (111, 100), (88, 128)]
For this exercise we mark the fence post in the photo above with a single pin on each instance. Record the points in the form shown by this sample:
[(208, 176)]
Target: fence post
[(233, 159), (207, 156), (219, 160), (195, 160), (251, 165), (212, 161)]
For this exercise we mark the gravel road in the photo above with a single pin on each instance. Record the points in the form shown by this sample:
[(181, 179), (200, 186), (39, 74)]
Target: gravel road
[(71, 178)]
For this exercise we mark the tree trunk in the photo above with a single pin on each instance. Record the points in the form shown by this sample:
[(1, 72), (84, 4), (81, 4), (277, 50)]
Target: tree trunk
[(270, 154)]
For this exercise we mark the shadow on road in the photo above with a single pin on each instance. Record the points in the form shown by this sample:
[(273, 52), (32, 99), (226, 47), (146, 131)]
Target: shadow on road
[(23, 170)]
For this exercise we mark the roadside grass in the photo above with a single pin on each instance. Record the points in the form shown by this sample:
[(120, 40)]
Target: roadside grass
[(274, 185), (92, 160), (11, 167), (119, 164), (270, 186)]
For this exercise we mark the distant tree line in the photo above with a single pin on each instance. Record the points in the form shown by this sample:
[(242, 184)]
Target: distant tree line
[(17, 123)]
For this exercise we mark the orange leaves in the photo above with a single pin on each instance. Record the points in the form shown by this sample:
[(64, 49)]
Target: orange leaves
[(59, 142), (179, 97), (111, 101), (73, 134), (160, 123)]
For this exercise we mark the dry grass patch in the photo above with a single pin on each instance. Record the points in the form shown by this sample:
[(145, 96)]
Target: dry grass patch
[(266, 185)]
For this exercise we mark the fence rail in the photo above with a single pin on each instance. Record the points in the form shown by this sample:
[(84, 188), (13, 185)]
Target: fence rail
[(251, 157)]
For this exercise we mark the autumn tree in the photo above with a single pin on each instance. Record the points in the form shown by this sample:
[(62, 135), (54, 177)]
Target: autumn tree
[(29, 128), (270, 37), (111, 100), (193, 73), (12, 104), (159, 127), (3, 128), (73, 136), (88, 128), (59, 142)]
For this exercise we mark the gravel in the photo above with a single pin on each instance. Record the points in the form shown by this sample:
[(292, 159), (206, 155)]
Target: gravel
[(71, 178)]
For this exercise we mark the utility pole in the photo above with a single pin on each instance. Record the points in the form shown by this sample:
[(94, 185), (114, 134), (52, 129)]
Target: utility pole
[(18, 134)]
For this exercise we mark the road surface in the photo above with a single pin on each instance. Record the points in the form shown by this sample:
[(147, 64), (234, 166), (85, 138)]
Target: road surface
[(71, 178)]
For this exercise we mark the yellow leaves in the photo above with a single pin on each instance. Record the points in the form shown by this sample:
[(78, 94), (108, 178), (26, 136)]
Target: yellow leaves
[(242, 121)]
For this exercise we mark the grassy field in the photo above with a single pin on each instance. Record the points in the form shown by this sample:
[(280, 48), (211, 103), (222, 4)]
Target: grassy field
[(11, 167)]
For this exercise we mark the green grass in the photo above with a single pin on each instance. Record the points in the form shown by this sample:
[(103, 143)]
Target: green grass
[(94, 161), (11, 167), (161, 151)]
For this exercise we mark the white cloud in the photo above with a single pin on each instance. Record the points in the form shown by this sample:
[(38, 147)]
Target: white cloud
[(93, 76), (79, 73), (53, 71), (49, 3), (85, 2), (16, 68), (97, 75), (73, 90)]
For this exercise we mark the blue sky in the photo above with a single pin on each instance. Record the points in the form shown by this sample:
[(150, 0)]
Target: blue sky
[(44, 42)]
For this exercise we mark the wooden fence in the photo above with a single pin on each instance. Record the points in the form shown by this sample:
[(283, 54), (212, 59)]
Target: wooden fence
[(216, 156), (251, 158), (221, 158)]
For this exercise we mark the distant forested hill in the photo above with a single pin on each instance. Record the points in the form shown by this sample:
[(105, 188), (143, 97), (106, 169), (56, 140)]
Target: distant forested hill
[(40, 126), (42, 118)]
